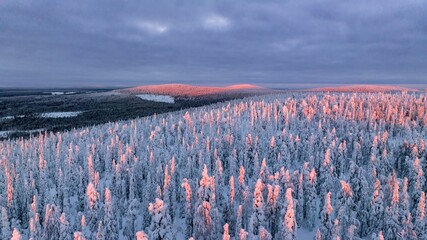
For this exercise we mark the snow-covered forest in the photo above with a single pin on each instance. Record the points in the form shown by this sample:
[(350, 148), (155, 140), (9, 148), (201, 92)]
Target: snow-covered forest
[(288, 166)]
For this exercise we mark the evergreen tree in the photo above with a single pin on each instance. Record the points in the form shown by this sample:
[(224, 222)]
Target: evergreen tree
[(376, 211), (110, 224), (204, 227), (289, 224), (420, 224), (16, 235), (64, 228), (326, 222), (5, 224), (258, 217), (161, 225)]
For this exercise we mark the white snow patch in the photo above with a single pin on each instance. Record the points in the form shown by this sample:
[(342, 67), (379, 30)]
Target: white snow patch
[(7, 118), (157, 98), (4, 134), (60, 93), (57, 93), (60, 114)]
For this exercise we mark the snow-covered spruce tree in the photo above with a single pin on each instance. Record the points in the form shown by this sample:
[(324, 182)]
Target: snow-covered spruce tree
[(51, 223), (288, 230), (420, 224), (79, 236), (204, 228), (299, 212), (130, 219), (405, 214), (326, 221), (64, 228), (188, 208), (258, 217), (325, 181), (310, 196), (376, 210), (392, 226), (359, 187), (226, 233), (229, 214), (272, 210), (92, 207), (264, 234), (141, 235), (239, 221), (110, 223), (5, 224), (345, 214), (161, 225), (16, 235)]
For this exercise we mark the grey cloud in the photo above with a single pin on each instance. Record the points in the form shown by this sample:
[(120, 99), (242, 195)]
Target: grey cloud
[(68, 43)]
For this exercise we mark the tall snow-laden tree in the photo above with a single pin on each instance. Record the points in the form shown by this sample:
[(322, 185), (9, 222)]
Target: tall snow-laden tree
[(344, 208), (272, 210), (258, 217), (376, 210), (310, 196), (110, 223), (226, 234), (141, 235), (420, 224), (51, 222), (161, 225), (5, 224), (16, 235), (204, 228), (92, 206), (392, 226), (130, 218), (188, 208), (289, 224), (326, 221), (64, 228)]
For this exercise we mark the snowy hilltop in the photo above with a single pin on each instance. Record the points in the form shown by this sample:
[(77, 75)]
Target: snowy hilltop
[(287, 166)]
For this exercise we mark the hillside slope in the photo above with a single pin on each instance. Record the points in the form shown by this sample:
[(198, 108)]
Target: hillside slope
[(177, 90)]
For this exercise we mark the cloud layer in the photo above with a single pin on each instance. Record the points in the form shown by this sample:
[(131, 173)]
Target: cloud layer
[(109, 43)]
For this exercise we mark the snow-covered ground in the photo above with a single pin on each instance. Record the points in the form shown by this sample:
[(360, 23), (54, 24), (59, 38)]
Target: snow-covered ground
[(157, 98), (4, 134), (7, 118), (60, 114)]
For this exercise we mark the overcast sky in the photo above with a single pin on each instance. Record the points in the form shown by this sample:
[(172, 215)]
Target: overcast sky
[(134, 42)]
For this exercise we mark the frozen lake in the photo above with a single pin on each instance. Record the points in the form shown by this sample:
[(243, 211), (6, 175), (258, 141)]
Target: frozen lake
[(60, 114), (157, 98)]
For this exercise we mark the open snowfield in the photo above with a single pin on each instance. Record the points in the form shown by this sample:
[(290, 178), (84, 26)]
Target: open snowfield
[(157, 98), (286, 166)]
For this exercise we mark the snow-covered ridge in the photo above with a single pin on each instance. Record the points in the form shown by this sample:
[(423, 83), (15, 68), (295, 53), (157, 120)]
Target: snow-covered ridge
[(188, 90)]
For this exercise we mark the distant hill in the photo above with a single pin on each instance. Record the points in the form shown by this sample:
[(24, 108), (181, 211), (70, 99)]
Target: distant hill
[(178, 90), (363, 88)]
